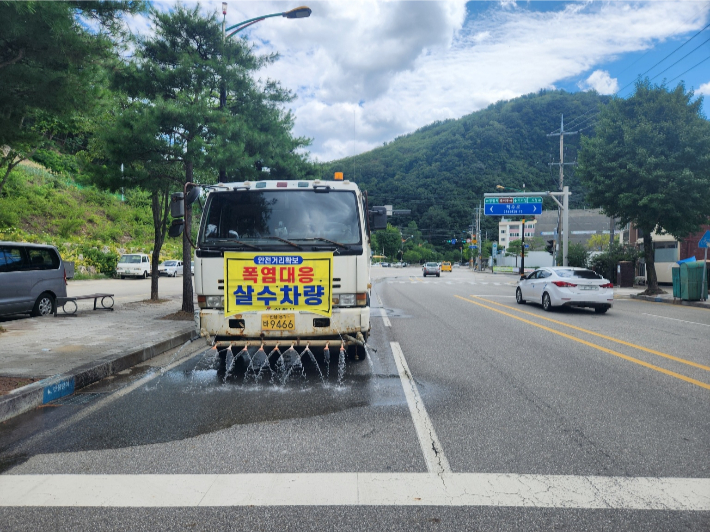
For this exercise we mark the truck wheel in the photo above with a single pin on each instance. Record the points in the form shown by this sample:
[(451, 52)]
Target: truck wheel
[(145, 274), (44, 306), (123, 276)]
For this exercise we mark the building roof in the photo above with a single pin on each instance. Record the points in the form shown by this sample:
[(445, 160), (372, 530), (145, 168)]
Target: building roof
[(583, 223)]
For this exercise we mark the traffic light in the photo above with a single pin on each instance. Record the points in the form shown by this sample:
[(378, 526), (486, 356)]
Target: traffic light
[(550, 246)]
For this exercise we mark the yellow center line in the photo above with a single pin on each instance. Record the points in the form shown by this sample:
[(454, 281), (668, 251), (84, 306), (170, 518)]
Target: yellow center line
[(611, 339), (595, 346)]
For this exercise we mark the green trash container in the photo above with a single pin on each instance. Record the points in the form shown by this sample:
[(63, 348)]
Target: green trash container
[(691, 281), (676, 281)]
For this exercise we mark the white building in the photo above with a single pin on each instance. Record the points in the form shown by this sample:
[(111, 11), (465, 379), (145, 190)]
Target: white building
[(509, 231)]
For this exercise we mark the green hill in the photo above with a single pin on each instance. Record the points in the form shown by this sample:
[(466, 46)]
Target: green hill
[(442, 170), (89, 226)]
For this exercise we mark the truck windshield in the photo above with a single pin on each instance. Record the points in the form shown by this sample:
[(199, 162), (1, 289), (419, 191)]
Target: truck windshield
[(256, 217), (131, 259)]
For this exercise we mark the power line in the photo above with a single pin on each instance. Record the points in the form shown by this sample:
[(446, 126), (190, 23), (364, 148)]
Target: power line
[(676, 29), (691, 68), (679, 60), (661, 61)]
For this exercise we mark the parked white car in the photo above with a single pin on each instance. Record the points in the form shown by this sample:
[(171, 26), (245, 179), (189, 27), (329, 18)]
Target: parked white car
[(571, 287), (133, 265), (171, 268)]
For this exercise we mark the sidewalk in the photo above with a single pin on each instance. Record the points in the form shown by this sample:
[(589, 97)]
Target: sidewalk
[(634, 293), (69, 352)]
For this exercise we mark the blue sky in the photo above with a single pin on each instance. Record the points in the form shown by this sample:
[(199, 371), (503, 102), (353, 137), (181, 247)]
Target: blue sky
[(367, 71)]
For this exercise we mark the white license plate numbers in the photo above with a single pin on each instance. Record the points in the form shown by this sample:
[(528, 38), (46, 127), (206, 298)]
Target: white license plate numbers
[(589, 288)]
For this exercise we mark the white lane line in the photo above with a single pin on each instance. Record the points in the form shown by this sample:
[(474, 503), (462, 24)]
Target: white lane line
[(676, 319), (434, 457), (367, 489), (385, 319)]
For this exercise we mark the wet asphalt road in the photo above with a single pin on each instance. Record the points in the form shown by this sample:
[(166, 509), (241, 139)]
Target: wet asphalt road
[(562, 397)]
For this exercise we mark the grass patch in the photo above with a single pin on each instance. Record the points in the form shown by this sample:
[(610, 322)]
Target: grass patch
[(89, 276)]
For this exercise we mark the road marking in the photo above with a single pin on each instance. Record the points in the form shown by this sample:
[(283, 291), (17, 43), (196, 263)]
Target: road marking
[(434, 457), (386, 321), (611, 339), (676, 319), (156, 372), (595, 346), (364, 489)]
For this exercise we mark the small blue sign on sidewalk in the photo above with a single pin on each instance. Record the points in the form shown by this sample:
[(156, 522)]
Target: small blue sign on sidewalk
[(705, 240), (58, 389)]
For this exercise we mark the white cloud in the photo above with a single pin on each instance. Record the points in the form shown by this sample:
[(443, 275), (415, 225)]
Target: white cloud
[(704, 89), (601, 82), (366, 71)]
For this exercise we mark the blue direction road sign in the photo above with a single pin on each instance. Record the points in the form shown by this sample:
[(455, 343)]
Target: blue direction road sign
[(512, 209), (705, 241)]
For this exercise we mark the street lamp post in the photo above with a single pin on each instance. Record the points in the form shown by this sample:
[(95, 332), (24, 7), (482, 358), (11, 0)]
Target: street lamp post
[(297, 12)]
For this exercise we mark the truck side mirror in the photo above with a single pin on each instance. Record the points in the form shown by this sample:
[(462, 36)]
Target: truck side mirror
[(379, 218), (192, 195), (177, 205), (177, 211), (176, 228)]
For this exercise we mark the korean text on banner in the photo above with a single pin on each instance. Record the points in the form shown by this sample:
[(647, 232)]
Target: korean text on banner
[(278, 282)]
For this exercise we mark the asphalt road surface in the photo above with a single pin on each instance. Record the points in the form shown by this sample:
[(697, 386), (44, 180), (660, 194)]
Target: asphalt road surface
[(473, 413)]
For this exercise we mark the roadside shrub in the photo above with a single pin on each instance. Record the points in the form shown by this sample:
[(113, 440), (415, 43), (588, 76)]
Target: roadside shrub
[(605, 263), (104, 262), (577, 256)]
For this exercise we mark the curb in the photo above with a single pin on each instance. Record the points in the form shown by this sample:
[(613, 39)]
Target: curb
[(41, 392), (668, 301)]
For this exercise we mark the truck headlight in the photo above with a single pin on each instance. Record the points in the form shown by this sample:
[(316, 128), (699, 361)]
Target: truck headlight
[(210, 301), (346, 300), (350, 300)]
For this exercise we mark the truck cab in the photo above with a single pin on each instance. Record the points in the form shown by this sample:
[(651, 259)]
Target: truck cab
[(284, 262)]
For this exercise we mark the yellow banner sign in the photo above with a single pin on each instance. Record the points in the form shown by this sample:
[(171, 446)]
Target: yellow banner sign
[(278, 282)]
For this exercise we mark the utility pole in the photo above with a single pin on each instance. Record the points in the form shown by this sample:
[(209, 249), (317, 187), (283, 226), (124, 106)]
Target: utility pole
[(561, 164), (479, 244)]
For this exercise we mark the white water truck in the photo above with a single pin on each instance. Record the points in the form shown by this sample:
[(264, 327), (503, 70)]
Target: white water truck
[(283, 263)]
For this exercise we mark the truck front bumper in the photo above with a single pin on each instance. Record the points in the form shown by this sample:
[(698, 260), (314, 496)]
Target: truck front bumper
[(308, 328)]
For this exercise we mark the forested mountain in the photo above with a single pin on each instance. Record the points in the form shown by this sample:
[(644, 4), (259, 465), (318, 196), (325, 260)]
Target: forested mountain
[(442, 170)]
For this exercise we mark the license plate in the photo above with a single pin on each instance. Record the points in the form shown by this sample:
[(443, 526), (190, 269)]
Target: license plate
[(588, 287), (278, 322)]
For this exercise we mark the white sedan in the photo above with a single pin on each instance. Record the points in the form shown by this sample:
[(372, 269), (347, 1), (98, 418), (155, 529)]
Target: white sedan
[(171, 268), (563, 286)]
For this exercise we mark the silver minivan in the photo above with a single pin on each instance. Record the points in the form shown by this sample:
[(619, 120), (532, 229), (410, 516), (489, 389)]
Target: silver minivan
[(32, 277)]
